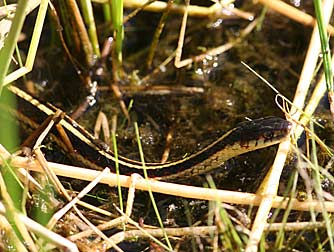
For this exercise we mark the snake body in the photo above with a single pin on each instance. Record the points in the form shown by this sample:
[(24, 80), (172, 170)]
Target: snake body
[(245, 137)]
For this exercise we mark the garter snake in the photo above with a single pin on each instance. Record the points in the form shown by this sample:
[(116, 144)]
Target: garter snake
[(245, 137)]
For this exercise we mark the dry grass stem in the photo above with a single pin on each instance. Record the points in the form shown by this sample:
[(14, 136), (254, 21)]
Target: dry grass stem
[(317, 94), (97, 231), (169, 188), (160, 68), (36, 186), (294, 226), (268, 190), (49, 172), (102, 122), (215, 10), (292, 13), (205, 230), (43, 232), (118, 221), (33, 46), (185, 231), (208, 230), (131, 194), (116, 90), (169, 140), (136, 11), (82, 32), (56, 216), (75, 200), (107, 225), (157, 89), (120, 236), (61, 189), (7, 230), (96, 209), (12, 214), (25, 176), (157, 34), (228, 9), (45, 132), (212, 52), (307, 75)]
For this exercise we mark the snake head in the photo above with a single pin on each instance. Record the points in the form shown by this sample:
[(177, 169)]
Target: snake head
[(262, 132)]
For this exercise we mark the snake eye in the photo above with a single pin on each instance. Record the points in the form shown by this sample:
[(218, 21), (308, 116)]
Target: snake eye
[(268, 135)]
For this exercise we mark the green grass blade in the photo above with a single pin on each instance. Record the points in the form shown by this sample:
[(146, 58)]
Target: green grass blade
[(88, 15), (324, 45), (156, 210), (119, 188), (117, 19), (10, 42), (319, 191)]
